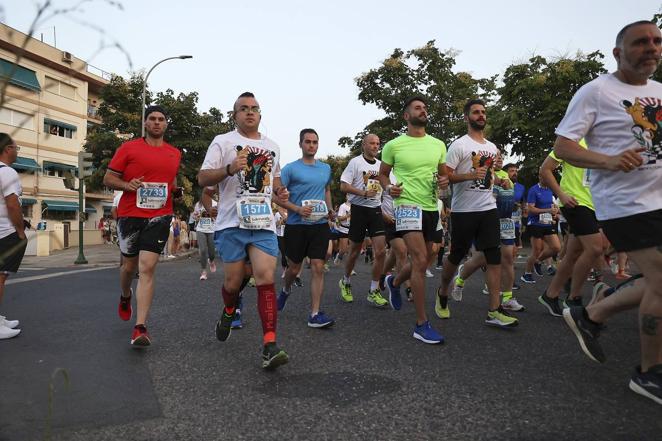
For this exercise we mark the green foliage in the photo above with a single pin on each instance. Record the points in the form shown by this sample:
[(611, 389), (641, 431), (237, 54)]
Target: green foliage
[(338, 164)]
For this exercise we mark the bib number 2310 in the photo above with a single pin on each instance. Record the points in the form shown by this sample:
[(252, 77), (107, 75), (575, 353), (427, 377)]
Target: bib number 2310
[(408, 218)]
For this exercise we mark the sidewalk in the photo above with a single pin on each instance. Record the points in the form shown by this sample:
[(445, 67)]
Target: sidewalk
[(96, 255)]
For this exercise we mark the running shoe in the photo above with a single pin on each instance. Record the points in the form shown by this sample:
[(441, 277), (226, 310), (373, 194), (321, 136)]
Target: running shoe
[(425, 333), (587, 333), (353, 273), (551, 270), (224, 326), (512, 305), (569, 302), (649, 383), (442, 313), (458, 289), (273, 356), (320, 320), (212, 266), (251, 281), (486, 290), (125, 311), (6, 332), (11, 324), (282, 299), (375, 297), (326, 267), (428, 274), (551, 304), (500, 319), (537, 268), (298, 282), (439, 267), (236, 322), (203, 275), (345, 291), (394, 297), (140, 337), (527, 278), (516, 287), (598, 290), (409, 294)]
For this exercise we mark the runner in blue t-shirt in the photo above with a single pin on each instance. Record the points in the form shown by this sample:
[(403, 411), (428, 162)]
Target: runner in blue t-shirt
[(544, 240)]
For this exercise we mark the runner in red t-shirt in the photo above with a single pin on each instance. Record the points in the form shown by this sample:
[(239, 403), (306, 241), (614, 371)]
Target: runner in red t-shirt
[(145, 169)]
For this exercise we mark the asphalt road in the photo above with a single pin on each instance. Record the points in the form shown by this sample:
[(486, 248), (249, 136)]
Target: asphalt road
[(365, 378)]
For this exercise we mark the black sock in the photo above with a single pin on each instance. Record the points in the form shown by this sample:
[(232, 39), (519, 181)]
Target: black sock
[(588, 319), (443, 301)]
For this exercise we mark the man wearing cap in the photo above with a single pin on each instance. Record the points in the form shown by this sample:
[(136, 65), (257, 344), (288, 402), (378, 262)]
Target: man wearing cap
[(145, 169)]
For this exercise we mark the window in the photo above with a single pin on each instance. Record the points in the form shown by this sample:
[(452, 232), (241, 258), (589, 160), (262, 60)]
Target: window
[(59, 215), (17, 119), (50, 171), (56, 128), (57, 87)]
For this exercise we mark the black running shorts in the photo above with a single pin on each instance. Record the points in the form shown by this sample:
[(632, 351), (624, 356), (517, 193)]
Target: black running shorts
[(582, 220), (306, 241), (636, 232), (482, 228), (365, 219), (538, 231), (12, 250), (138, 234)]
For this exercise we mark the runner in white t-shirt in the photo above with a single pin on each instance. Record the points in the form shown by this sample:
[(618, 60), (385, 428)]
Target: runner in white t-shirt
[(474, 216), (204, 230), (619, 116), (245, 166), (12, 229)]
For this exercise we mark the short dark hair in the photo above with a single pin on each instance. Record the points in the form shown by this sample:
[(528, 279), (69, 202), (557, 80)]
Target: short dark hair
[(303, 133), (621, 33), (5, 140), (509, 165), (471, 102), (243, 95), (155, 108), (411, 99)]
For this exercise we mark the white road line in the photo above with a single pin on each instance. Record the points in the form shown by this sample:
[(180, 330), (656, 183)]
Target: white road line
[(27, 268), (63, 273)]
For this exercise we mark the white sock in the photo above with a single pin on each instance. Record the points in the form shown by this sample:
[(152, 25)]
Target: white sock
[(346, 280), (374, 284)]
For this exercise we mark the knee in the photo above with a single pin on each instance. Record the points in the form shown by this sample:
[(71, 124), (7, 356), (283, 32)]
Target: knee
[(379, 253), (492, 256)]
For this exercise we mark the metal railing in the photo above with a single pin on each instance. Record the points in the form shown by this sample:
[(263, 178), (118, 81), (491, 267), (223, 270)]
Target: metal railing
[(99, 72)]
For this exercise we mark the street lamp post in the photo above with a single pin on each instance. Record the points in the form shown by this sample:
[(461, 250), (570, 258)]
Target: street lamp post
[(142, 119)]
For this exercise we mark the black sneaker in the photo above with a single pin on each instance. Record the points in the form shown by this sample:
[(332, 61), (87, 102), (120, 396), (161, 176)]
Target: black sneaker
[(537, 268), (298, 282), (273, 356), (648, 384), (586, 332), (569, 302), (551, 304), (224, 326)]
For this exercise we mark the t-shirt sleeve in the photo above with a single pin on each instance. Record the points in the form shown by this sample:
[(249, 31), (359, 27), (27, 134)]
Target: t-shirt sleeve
[(120, 159), (328, 170), (388, 155), (581, 113), (442, 158), (454, 155), (214, 157), (277, 169), (9, 182), (554, 157), (285, 175), (347, 175)]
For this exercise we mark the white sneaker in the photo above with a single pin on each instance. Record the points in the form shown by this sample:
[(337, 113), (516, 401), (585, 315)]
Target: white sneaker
[(212, 266), (6, 332), (456, 294), (512, 305), (203, 276), (428, 273), (486, 291), (11, 324)]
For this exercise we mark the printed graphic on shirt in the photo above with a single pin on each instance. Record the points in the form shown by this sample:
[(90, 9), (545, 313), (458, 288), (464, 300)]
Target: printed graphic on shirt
[(646, 113), (483, 159), (256, 176)]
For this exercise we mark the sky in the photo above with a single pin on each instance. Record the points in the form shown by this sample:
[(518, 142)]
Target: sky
[(301, 58)]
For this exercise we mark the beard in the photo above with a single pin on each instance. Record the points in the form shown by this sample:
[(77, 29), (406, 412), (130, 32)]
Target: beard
[(477, 125), (418, 122)]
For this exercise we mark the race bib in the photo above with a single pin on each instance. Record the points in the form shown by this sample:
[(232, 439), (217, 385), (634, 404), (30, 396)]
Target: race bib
[(546, 218), (206, 225), (586, 177), (374, 185), (254, 213), (152, 195), (517, 216), (408, 218), (507, 228), (320, 211)]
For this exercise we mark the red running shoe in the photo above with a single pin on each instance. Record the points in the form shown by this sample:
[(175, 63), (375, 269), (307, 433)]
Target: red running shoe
[(140, 337), (124, 308)]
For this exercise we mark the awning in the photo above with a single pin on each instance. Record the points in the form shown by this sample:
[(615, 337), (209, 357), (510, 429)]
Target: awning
[(60, 123), (19, 76), (61, 205), (90, 210), (22, 163), (59, 166), (28, 201)]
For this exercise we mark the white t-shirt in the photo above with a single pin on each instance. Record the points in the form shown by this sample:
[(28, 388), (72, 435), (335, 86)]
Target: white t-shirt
[(613, 117), (10, 184), (206, 223), (255, 180), (116, 198), (344, 210), (280, 229), (363, 175), (387, 200), (465, 155)]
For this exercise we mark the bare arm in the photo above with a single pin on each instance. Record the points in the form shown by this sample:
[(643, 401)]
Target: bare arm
[(535, 210), (546, 175), (347, 188), (15, 214), (114, 181), (385, 180), (572, 152), (329, 202)]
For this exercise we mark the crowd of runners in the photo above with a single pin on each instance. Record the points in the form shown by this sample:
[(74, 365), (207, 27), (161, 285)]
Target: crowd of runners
[(404, 210)]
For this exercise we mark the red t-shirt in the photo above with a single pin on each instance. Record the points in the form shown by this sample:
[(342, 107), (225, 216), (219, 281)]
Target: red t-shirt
[(158, 165)]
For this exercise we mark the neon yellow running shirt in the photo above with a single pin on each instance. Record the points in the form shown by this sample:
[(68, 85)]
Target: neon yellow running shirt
[(576, 181)]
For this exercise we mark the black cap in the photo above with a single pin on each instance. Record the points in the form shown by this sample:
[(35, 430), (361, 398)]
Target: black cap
[(151, 109)]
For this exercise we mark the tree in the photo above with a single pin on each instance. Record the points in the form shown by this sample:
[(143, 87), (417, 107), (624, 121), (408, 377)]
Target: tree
[(338, 164), (425, 71), (533, 100)]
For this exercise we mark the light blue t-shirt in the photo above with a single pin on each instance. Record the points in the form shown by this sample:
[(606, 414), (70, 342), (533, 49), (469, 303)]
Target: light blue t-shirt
[(305, 182)]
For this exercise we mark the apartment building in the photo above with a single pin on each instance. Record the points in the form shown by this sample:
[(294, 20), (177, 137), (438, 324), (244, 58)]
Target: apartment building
[(50, 101)]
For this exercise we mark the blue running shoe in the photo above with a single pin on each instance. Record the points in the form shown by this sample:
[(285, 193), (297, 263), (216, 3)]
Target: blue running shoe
[(537, 268), (427, 334), (516, 286), (236, 322), (282, 299), (320, 320), (394, 297), (528, 278)]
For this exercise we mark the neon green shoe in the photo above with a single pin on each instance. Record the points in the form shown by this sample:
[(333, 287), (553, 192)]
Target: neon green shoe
[(442, 313), (500, 319), (375, 297), (345, 291)]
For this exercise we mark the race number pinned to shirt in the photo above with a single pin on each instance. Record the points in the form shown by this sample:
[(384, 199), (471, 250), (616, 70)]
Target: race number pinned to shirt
[(254, 213), (546, 218), (152, 195), (206, 225), (320, 210), (374, 185), (507, 228), (408, 218)]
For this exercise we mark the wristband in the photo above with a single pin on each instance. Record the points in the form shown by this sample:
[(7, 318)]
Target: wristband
[(227, 170)]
